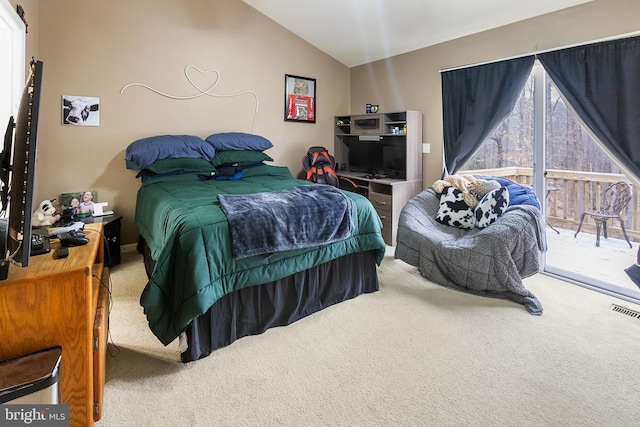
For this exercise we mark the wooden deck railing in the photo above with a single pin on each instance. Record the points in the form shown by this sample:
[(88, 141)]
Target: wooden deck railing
[(569, 193)]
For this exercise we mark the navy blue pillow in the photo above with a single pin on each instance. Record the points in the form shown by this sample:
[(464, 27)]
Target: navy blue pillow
[(518, 194), (146, 151), (238, 141)]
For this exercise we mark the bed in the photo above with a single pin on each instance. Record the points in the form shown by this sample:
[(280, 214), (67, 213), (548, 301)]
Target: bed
[(199, 290)]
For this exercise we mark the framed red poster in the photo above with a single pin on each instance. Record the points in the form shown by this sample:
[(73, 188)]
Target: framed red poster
[(299, 99)]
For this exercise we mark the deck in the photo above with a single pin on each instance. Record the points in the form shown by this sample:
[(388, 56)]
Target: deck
[(581, 255)]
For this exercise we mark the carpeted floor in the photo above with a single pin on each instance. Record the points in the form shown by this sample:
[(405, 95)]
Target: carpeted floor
[(412, 354)]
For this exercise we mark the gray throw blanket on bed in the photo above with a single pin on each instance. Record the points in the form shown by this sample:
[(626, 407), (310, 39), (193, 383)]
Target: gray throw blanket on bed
[(295, 218), (491, 261)]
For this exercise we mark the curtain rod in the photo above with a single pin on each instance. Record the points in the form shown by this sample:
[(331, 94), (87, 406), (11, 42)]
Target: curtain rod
[(622, 36)]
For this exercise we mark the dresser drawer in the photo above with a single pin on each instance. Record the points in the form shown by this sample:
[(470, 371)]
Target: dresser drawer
[(381, 202)]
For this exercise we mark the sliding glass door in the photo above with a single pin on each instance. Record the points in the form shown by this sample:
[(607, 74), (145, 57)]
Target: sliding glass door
[(542, 144), (577, 173)]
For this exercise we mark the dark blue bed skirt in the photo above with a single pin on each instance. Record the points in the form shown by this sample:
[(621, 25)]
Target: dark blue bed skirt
[(253, 310)]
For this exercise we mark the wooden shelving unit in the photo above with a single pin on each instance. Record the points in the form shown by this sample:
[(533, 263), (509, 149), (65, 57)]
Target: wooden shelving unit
[(388, 195)]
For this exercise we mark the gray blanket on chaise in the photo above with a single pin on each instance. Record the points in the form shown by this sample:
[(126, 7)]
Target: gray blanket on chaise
[(491, 261)]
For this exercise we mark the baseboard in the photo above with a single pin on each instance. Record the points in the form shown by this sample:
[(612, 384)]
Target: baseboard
[(131, 247)]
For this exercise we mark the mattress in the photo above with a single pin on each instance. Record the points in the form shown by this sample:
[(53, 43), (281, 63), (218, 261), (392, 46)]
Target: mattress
[(187, 232)]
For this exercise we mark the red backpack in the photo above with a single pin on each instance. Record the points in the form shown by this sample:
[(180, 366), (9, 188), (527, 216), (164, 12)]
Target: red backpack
[(320, 166)]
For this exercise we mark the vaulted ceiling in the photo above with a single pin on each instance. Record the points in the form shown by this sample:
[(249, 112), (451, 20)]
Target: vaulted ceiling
[(356, 32)]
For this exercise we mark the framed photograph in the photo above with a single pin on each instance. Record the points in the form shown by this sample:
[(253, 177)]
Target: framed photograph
[(80, 202), (299, 99), (80, 110)]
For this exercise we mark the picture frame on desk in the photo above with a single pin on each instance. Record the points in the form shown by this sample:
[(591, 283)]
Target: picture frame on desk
[(73, 202)]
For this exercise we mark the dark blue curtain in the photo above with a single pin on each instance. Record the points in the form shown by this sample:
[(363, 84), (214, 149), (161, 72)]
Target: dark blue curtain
[(601, 82), (475, 100)]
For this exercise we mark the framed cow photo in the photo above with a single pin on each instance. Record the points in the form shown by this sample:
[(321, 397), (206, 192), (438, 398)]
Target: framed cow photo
[(80, 110)]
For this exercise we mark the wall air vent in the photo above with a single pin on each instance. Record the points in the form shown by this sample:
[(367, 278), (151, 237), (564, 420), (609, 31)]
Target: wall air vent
[(624, 310)]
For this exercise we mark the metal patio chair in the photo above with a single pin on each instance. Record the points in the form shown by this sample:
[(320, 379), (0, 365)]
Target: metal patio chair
[(615, 198)]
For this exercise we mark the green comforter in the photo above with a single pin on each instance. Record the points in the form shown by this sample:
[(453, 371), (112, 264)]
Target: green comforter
[(180, 218)]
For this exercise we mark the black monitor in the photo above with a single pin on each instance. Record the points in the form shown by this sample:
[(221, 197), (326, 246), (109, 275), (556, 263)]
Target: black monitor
[(18, 175), (365, 156), (387, 158), (394, 157)]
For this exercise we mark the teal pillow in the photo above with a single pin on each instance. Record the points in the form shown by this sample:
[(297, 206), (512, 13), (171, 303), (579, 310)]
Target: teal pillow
[(239, 157), (181, 165)]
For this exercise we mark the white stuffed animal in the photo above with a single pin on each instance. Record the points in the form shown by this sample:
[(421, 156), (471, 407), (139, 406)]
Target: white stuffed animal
[(45, 214)]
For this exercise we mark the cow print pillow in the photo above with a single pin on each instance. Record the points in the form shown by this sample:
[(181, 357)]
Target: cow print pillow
[(491, 207), (453, 210)]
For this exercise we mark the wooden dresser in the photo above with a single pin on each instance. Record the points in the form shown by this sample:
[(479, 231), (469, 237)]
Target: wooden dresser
[(62, 302)]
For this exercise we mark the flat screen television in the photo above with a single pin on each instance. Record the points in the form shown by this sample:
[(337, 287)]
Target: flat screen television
[(388, 159), (394, 158), (18, 160), (365, 157)]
